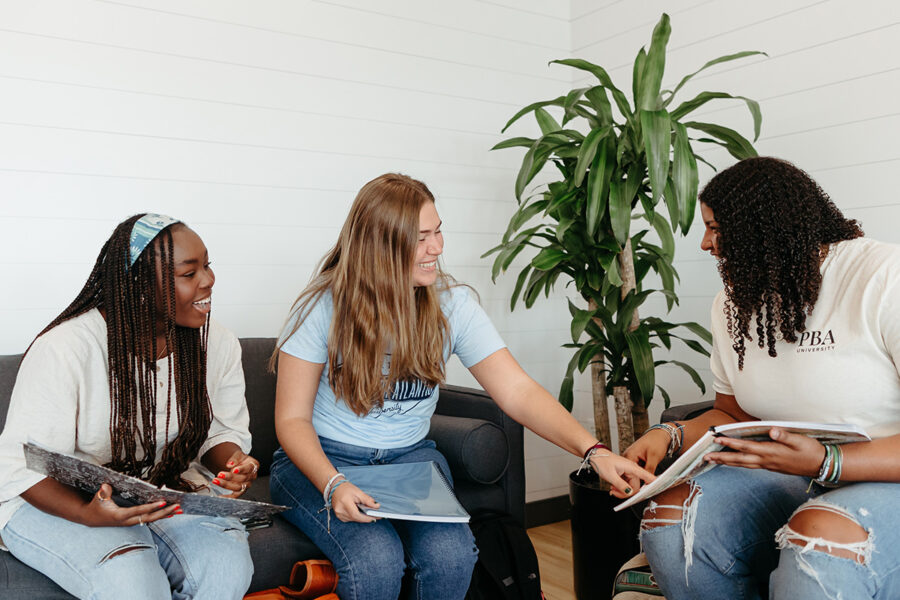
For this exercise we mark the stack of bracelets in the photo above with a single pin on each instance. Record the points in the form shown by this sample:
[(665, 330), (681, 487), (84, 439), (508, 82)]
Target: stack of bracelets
[(830, 473), (327, 494), (676, 436), (586, 463)]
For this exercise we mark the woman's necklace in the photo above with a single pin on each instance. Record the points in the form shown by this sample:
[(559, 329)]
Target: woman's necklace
[(163, 351)]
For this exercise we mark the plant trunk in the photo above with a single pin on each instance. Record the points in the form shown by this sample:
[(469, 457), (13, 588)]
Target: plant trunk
[(598, 394), (624, 422), (631, 416)]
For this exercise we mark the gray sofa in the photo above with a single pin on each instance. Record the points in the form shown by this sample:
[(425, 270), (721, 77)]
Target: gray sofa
[(483, 446)]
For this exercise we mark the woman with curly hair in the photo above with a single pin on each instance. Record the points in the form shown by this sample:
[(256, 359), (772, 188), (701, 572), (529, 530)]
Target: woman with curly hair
[(806, 329), (359, 366), (133, 375)]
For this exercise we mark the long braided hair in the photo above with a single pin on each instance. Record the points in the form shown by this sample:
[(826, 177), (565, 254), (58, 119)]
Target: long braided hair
[(775, 225), (137, 304)]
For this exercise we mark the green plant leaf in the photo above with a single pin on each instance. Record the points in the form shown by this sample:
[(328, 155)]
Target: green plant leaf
[(571, 100), (698, 381), (715, 61), (698, 330), (534, 161), (580, 319), (736, 144), (587, 152), (525, 213), (612, 274), (619, 211), (684, 176), (600, 101), (601, 75), (548, 258), (657, 137), (637, 73), (531, 107), (520, 281), (752, 105), (655, 65), (672, 203), (514, 142), (642, 361), (545, 121), (598, 187), (666, 400)]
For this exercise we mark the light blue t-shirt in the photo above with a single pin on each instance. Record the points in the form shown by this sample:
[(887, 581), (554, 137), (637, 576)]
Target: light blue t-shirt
[(405, 417)]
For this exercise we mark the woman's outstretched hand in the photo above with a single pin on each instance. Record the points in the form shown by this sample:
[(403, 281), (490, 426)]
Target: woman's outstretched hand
[(791, 453), (241, 471), (649, 449), (612, 467), (102, 511), (346, 500)]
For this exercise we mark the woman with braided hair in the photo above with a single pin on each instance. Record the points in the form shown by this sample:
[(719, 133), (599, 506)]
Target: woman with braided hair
[(806, 329), (133, 375)]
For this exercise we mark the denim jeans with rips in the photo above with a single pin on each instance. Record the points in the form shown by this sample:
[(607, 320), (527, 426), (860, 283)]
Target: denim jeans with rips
[(733, 541), (186, 557), (372, 558)]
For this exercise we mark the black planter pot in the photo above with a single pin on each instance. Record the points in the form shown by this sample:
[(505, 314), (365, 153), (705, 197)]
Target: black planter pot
[(602, 540)]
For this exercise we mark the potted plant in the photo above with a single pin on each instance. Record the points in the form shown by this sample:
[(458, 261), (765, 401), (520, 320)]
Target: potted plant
[(628, 181)]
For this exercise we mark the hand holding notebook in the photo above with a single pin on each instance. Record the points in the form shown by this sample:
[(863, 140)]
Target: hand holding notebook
[(408, 491)]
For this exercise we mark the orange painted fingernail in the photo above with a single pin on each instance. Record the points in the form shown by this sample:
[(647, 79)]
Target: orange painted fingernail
[(236, 470), (179, 512), (230, 462), (221, 474), (161, 504), (217, 482)]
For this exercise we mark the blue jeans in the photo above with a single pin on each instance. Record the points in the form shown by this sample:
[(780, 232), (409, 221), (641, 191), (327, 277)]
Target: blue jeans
[(187, 556), (739, 537), (371, 558)]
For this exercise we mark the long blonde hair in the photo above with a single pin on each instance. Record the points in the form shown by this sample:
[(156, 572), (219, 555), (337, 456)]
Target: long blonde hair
[(377, 308)]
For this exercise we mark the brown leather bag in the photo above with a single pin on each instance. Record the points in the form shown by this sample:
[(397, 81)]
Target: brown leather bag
[(310, 580)]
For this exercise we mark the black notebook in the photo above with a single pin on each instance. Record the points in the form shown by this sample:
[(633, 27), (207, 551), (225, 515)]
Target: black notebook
[(410, 491)]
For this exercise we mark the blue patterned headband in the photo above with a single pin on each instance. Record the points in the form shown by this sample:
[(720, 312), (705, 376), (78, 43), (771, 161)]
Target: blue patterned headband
[(145, 230)]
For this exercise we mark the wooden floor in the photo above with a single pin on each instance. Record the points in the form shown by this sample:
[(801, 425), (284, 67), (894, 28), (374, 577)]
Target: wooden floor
[(553, 544)]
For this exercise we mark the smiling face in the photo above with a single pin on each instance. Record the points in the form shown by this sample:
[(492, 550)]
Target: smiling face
[(194, 278), (710, 242), (429, 247)]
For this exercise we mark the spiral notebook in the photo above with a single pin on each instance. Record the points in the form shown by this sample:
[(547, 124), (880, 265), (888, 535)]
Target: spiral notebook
[(409, 491)]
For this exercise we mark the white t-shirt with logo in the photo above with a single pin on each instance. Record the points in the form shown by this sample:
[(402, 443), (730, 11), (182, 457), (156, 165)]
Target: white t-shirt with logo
[(405, 417), (844, 367)]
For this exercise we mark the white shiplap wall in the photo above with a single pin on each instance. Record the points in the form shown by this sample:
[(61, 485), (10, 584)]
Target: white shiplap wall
[(257, 122)]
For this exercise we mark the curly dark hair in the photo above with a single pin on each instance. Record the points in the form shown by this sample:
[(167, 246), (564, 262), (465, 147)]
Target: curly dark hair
[(134, 306), (775, 226)]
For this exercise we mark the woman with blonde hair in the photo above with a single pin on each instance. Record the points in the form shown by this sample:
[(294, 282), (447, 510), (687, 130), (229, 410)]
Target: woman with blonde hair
[(359, 365)]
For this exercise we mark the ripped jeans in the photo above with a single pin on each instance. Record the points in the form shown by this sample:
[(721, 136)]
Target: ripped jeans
[(187, 556), (735, 533)]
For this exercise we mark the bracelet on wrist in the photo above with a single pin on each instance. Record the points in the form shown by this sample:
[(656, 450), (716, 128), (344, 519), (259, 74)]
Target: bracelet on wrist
[(676, 436), (589, 453), (832, 465)]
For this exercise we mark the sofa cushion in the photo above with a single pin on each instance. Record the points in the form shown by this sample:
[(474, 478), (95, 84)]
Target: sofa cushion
[(476, 449), (255, 353), (9, 366)]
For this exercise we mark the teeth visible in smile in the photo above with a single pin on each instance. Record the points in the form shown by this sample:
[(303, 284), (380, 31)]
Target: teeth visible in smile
[(203, 302), (429, 265)]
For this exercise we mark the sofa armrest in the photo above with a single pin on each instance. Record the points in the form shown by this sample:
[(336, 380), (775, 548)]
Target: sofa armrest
[(458, 401), (476, 450), (685, 411)]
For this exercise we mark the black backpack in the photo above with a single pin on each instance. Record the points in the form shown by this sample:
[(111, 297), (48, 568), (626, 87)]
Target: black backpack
[(507, 567)]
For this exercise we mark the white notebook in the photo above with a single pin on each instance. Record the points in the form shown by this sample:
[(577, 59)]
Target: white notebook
[(410, 491)]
